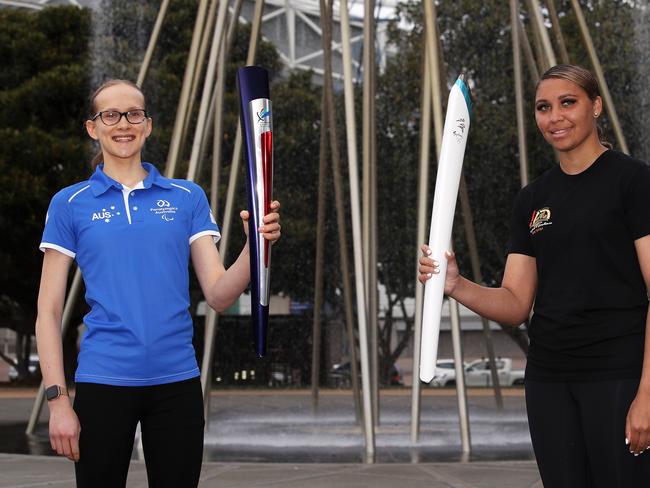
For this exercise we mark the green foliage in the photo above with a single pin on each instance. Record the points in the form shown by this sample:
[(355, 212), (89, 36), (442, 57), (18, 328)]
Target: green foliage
[(51, 100), (476, 40), (58, 56), (482, 48), (31, 43), (52, 70), (615, 27), (296, 132), (42, 146), (121, 30)]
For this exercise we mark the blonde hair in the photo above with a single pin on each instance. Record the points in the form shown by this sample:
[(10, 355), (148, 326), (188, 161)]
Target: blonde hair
[(99, 157), (584, 79)]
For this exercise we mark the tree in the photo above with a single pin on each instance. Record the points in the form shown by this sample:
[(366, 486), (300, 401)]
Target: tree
[(475, 39), (42, 148), (56, 61), (52, 70)]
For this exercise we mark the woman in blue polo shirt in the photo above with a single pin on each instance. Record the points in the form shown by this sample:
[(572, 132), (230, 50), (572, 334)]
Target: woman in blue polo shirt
[(132, 232)]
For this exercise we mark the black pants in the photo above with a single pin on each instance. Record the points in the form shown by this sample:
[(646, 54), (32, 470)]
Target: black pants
[(578, 434), (171, 418)]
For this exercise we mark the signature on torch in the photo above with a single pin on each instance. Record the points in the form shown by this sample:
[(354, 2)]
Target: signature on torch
[(459, 131)]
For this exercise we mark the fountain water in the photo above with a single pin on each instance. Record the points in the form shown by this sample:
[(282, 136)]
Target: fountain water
[(282, 428), (119, 38)]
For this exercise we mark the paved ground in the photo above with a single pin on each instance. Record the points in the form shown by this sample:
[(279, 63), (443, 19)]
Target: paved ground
[(23, 471), (273, 438)]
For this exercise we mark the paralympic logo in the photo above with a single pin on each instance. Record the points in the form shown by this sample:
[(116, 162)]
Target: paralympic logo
[(263, 114), (164, 209)]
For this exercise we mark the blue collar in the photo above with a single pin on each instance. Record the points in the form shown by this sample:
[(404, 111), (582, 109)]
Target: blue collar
[(100, 181)]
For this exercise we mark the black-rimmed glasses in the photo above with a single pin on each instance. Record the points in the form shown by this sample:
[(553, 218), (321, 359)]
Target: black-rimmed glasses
[(113, 117)]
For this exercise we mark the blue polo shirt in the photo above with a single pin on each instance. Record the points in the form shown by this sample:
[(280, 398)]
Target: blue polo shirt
[(133, 249)]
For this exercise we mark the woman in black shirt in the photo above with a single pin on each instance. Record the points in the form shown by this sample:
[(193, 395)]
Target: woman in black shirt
[(579, 250)]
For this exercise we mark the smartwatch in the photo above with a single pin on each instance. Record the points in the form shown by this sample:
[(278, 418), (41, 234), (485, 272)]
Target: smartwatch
[(55, 391)]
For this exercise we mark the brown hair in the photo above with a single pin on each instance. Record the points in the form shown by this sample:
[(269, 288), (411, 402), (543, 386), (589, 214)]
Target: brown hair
[(99, 157), (584, 79)]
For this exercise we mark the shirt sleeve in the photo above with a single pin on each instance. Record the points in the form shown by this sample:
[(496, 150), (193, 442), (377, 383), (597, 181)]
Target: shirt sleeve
[(203, 222), (520, 241), (59, 232), (636, 203)]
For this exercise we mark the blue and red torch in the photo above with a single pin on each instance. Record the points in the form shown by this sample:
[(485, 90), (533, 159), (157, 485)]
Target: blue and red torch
[(257, 128)]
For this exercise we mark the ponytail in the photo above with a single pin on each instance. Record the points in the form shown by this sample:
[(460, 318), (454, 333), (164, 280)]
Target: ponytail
[(601, 137), (97, 160)]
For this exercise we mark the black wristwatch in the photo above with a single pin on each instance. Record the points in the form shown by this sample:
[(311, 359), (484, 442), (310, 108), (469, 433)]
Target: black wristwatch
[(55, 391)]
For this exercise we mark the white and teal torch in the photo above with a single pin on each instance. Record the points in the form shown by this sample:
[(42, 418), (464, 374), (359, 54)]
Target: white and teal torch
[(450, 165)]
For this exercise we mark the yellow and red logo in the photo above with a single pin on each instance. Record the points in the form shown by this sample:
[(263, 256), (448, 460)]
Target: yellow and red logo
[(540, 219)]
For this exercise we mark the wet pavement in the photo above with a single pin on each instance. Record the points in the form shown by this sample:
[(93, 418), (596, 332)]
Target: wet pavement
[(272, 428), (273, 438)]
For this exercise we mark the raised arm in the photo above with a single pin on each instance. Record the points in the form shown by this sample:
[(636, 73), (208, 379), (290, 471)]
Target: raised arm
[(222, 287), (509, 304), (64, 425)]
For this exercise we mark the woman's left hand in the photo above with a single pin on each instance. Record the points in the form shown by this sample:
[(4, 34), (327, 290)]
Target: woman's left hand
[(270, 227), (637, 424)]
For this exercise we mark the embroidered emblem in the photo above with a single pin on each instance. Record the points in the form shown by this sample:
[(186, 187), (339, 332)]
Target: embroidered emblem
[(540, 219)]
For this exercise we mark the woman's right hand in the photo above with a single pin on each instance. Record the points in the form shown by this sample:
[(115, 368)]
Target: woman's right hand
[(64, 428), (429, 267)]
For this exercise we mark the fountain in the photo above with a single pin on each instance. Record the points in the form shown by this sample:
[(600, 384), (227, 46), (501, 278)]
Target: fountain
[(281, 425)]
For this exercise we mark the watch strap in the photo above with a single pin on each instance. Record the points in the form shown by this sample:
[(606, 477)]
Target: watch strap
[(55, 391)]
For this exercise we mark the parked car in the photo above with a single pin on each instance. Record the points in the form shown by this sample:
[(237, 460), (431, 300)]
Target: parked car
[(445, 373), (33, 366), (340, 375), (477, 373)]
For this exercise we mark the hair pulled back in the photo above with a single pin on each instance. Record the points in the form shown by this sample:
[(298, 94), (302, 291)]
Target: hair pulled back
[(98, 158), (584, 79)]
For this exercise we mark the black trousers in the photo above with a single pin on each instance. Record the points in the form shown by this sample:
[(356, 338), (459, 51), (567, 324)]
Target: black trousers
[(171, 419), (578, 434)]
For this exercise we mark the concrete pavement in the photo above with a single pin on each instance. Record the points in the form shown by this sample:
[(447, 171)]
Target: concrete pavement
[(25, 471)]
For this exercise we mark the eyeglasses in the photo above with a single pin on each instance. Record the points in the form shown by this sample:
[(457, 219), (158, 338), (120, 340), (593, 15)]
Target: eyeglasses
[(113, 117)]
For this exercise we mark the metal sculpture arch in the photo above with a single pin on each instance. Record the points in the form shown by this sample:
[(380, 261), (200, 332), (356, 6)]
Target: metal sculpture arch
[(212, 37)]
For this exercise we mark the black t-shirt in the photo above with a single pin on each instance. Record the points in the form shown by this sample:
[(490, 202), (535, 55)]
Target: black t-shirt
[(591, 304)]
